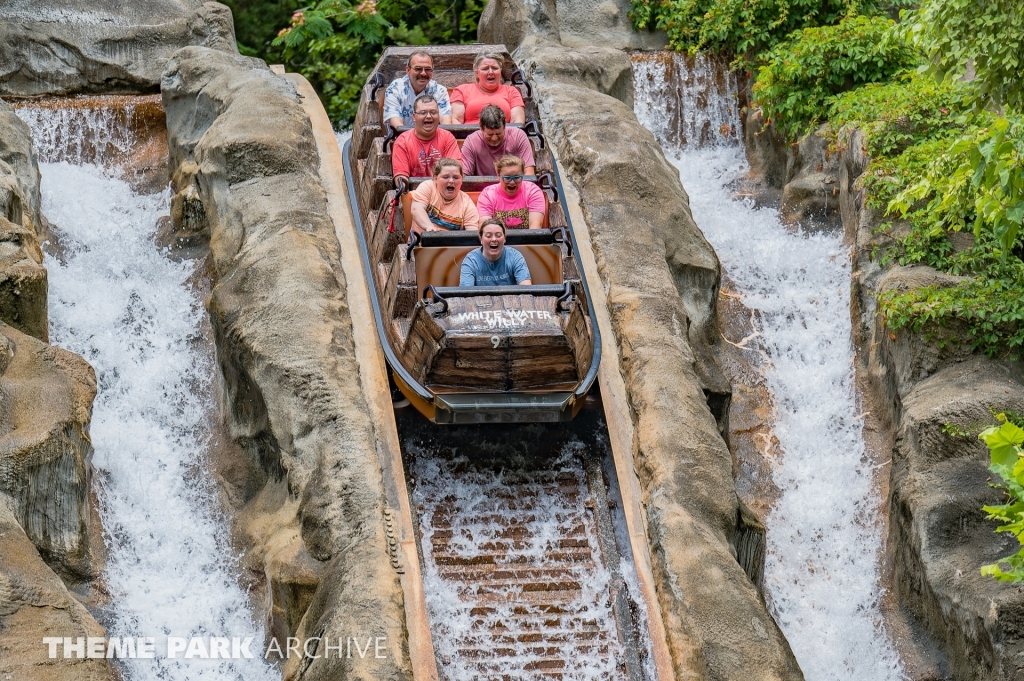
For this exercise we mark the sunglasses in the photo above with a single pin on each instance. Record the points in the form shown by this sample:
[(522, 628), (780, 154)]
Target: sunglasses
[(422, 69), (511, 178)]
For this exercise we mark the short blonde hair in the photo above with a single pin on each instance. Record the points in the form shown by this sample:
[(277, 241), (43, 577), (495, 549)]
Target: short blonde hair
[(488, 55), (509, 160)]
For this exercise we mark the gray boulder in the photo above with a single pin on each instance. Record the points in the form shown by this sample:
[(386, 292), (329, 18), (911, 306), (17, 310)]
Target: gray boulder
[(45, 452), (60, 47), (23, 283), (940, 534), (580, 24)]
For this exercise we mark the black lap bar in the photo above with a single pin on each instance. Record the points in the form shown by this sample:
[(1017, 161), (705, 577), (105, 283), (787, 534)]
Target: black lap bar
[(477, 291), (462, 237), (441, 294)]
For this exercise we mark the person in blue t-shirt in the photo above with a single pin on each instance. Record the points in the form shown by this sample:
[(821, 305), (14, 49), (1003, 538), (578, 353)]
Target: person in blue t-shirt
[(492, 264)]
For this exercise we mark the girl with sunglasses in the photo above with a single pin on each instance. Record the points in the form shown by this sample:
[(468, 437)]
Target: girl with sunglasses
[(519, 204)]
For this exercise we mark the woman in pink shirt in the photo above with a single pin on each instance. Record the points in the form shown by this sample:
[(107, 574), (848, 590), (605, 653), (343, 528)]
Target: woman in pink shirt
[(469, 100), (519, 204)]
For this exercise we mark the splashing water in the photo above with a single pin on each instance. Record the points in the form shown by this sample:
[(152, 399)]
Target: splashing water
[(133, 314), (540, 598), (822, 573)]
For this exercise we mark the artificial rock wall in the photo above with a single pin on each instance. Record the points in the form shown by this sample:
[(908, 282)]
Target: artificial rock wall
[(62, 47), (925, 382), (245, 163)]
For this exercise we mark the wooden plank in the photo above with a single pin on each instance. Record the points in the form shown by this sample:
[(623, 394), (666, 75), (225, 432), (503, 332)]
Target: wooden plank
[(520, 315), (446, 58), (374, 379)]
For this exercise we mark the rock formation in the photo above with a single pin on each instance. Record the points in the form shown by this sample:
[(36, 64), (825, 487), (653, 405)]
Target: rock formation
[(806, 174), (46, 398), (65, 47), (34, 603), (45, 405), (662, 280), (244, 160), (22, 275), (926, 382), (44, 446)]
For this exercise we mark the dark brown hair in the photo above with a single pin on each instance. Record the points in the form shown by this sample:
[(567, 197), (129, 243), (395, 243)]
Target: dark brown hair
[(492, 221)]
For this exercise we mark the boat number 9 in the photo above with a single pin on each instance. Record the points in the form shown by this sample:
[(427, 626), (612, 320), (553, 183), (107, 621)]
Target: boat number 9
[(495, 341)]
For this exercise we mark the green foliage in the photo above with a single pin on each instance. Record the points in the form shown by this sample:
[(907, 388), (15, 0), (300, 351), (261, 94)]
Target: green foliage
[(1005, 454), (739, 27), (257, 24), (990, 301), (973, 176), (802, 74), (894, 116), (988, 34), (955, 431), (982, 175), (335, 43)]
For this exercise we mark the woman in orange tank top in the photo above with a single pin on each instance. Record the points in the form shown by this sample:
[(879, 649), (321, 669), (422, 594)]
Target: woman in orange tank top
[(469, 100)]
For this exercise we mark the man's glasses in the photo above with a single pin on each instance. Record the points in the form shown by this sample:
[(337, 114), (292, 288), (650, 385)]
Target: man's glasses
[(425, 114), (511, 178), (422, 69)]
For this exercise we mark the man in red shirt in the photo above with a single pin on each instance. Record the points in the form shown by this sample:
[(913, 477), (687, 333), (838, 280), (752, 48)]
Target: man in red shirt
[(416, 151)]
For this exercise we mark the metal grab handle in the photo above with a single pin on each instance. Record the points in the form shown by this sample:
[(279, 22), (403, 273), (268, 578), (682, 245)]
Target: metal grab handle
[(391, 134), (414, 241), (518, 78), (437, 297), (564, 238), (565, 297), (377, 81), (532, 129), (547, 182)]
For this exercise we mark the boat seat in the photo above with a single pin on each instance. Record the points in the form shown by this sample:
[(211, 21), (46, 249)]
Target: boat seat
[(474, 195), (459, 130), (440, 265), (472, 183)]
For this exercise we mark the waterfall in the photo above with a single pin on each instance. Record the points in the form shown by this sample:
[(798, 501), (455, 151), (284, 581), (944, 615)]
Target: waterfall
[(136, 315), (822, 572)]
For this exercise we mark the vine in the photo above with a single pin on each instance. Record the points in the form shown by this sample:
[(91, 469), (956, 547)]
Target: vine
[(800, 77), (1005, 454), (738, 27)]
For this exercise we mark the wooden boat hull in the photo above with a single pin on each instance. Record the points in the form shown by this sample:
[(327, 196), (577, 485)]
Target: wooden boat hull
[(480, 354)]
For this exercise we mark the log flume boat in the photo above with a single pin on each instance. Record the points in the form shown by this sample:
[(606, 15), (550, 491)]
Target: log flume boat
[(469, 354)]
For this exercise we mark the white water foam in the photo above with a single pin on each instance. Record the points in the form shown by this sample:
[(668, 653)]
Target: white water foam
[(472, 505), (131, 312), (822, 573)]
